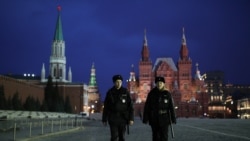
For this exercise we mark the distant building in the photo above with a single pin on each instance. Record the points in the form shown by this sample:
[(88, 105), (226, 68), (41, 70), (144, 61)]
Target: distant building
[(215, 83), (94, 98), (189, 94), (237, 101), (224, 98), (243, 107)]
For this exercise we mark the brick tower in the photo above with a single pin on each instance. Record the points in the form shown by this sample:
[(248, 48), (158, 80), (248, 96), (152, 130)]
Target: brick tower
[(145, 72), (185, 71)]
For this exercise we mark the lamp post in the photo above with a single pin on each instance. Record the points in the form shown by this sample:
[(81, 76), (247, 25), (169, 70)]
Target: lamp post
[(75, 114), (241, 107), (92, 108)]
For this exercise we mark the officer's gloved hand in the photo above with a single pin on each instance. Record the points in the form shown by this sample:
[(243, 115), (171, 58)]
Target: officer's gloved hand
[(131, 122)]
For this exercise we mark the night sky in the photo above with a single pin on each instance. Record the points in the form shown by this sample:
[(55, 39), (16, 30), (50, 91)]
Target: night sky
[(109, 33)]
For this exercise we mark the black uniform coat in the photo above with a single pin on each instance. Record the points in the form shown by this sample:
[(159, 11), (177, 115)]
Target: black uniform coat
[(158, 106), (118, 107)]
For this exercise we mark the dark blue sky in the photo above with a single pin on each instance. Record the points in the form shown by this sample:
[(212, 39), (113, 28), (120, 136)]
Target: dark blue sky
[(110, 34)]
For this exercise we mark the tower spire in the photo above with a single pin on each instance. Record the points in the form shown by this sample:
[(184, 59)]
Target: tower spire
[(145, 42), (197, 75), (184, 49), (70, 75), (58, 32), (183, 37), (132, 74), (43, 73), (145, 51)]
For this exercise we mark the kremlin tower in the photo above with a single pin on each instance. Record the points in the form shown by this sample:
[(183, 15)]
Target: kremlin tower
[(93, 92), (145, 72), (57, 68)]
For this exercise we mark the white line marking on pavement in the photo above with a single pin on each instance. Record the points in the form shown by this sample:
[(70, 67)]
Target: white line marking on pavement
[(216, 132)]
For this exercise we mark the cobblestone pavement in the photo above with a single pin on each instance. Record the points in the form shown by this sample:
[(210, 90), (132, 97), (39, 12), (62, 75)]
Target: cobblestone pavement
[(185, 129)]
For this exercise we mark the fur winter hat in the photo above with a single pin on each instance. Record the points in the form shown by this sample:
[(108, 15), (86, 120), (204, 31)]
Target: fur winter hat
[(116, 77), (159, 79)]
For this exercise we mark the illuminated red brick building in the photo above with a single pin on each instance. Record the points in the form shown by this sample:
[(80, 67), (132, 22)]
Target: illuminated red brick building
[(189, 93)]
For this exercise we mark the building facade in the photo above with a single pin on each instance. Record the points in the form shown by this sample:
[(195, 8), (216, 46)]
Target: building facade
[(215, 83), (237, 104), (189, 93)]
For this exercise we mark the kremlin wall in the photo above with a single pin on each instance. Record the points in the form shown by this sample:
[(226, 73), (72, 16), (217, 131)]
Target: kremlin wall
[(23, 87)]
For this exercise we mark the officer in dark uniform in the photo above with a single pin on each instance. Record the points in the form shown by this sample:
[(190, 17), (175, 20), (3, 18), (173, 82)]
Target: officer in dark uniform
[(158, 110), (118, 110)]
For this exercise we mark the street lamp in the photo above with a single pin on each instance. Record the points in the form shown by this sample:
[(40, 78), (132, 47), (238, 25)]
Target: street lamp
[(241, 107), (92, 108)]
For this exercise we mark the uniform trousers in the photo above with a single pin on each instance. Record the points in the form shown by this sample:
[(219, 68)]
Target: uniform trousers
[(117, 132), (160, 133)]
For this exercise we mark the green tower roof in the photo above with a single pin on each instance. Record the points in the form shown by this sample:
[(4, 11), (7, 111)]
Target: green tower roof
[(58, 32), (92, 81)]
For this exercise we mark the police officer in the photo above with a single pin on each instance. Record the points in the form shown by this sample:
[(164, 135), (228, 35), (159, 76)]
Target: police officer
[(118, 109), (158, 110)]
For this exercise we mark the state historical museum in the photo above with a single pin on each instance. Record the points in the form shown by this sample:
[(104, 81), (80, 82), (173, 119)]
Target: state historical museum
[(189, 94)]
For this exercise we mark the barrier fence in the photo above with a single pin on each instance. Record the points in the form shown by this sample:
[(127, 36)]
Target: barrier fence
[(17, 129)]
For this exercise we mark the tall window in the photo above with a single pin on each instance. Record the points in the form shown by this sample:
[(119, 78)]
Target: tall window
[(55, 72), (185, 86), (60, 51), (60, 73)]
